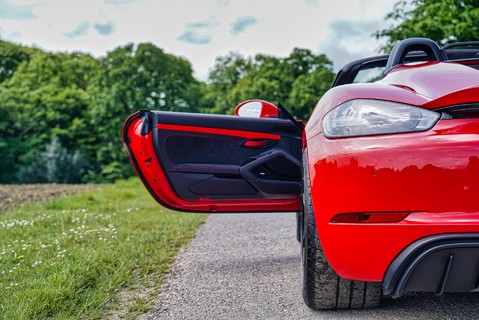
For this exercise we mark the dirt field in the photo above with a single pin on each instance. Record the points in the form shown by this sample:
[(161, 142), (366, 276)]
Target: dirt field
[(12, 196)]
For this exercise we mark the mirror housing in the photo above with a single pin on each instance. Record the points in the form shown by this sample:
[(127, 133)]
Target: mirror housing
[(257, 109)]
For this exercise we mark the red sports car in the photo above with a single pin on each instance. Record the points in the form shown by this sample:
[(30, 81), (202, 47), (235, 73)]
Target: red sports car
[(384, 177)]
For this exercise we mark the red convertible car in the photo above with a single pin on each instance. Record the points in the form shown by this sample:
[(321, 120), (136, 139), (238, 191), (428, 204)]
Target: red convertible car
[(384, 177)]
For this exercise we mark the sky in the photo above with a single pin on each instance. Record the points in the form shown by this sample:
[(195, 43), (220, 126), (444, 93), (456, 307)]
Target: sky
[(199, 30)]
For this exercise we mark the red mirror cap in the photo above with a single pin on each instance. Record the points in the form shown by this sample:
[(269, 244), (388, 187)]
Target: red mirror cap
[(256, 108)]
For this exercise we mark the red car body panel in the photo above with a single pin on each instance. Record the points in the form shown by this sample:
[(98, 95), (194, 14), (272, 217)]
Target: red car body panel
[(434, 175), (433, 79)]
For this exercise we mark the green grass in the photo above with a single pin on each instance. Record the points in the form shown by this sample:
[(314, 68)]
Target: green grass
[(68, 258)]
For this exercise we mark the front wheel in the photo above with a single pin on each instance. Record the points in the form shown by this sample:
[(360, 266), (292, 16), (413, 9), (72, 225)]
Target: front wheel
[(322, 287)]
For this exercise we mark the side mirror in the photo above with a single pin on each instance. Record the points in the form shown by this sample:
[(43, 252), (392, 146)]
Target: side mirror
[(256, 109)]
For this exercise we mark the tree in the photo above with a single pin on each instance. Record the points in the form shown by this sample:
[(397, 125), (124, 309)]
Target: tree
[(296, 81), (55, 164), (44, 98), (63, 110), (11, 56), (444, 21), (135, 77), (227, 71), (307, 89)]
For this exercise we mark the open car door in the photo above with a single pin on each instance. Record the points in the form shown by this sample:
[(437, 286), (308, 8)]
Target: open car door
[(216, 163)]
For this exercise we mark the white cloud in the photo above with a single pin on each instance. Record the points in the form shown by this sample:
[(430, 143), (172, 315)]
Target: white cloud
[(199, 32), (222, 3), (105, 28), (179, 26), (79, 31), (241, 24), (312, 3)]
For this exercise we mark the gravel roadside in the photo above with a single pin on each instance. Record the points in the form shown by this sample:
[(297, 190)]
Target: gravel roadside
[(248, 267)]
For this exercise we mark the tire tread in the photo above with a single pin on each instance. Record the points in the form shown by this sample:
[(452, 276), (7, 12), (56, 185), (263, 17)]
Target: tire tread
[(322, 287)]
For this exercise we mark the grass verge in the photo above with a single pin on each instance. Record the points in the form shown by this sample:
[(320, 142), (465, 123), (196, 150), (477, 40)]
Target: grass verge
[(69, 257)]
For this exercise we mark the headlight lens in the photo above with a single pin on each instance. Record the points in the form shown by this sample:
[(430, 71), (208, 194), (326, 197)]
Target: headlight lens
[(364, 117)]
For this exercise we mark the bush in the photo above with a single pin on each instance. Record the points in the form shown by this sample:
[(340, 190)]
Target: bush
[(55, 165)]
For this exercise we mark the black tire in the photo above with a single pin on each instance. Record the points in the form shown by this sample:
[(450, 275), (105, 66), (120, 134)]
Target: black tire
[(322, 287)]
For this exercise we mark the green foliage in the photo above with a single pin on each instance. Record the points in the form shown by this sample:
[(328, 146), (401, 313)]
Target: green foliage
[(307, 89), (11, 56), (46, 97), (225, 75), (133, 78), (442, 21), (70, 257), (55, 165), (78, 103), (235, 79)]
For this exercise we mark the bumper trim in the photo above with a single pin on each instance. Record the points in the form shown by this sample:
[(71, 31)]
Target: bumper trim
[(438, 263)]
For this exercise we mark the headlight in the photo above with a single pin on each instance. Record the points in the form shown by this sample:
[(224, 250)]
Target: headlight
[(363, 117)]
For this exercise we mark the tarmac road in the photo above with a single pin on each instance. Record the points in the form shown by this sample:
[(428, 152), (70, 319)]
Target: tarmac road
[(248, 267)]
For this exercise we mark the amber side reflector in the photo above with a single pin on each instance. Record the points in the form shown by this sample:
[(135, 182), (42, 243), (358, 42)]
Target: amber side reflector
[(370, 217)]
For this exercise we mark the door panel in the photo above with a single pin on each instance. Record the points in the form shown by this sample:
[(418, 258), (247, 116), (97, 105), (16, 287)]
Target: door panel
[(216, 163)]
